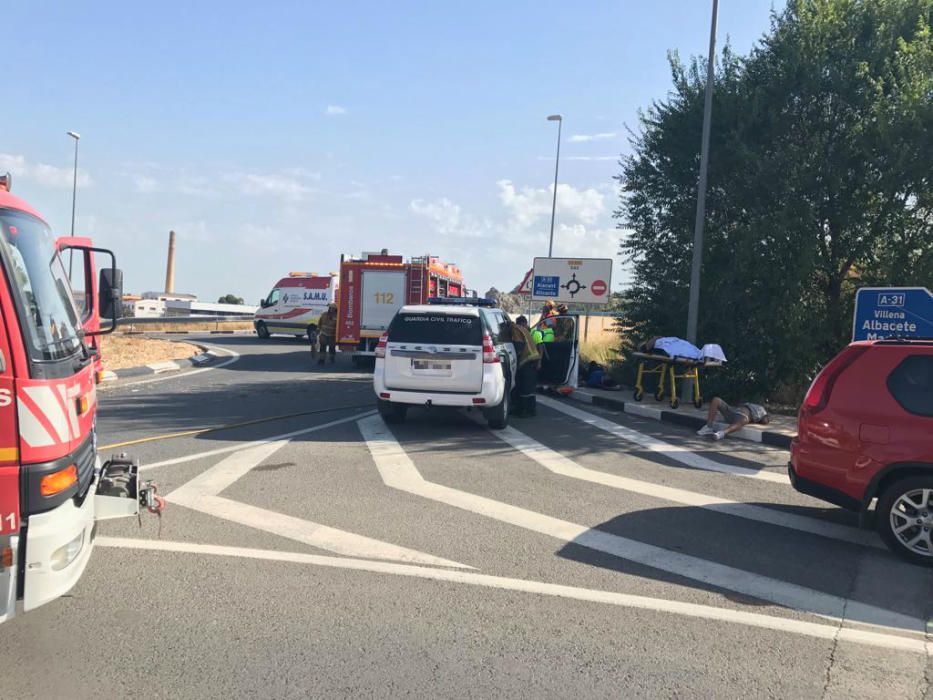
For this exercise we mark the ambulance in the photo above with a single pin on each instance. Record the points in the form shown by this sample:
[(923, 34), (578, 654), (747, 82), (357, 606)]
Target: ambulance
[(295, 304)]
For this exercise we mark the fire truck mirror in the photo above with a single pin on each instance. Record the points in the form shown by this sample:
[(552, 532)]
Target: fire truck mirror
[(110, 304)]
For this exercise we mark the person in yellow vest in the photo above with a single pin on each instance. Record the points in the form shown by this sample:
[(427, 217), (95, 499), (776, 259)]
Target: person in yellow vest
[(327, 333), (544, 331), (526, 379)]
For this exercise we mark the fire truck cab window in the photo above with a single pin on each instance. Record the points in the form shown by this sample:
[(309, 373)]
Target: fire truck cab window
[(40, 282)]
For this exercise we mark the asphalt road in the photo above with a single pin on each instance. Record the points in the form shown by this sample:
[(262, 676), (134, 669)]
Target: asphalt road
[(579, 554)]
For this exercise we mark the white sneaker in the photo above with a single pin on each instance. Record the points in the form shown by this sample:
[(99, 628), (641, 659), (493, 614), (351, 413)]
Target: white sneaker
[(719, 435), (705, 430)]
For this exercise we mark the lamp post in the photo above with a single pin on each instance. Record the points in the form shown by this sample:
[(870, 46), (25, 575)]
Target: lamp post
[(560, 122), (74, 187), (693, 306)]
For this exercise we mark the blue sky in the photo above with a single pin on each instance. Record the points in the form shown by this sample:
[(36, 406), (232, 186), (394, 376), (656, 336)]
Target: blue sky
[(275, 136)]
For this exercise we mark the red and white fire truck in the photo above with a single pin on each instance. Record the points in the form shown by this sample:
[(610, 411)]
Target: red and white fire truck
[(376, 285), (53, 487)]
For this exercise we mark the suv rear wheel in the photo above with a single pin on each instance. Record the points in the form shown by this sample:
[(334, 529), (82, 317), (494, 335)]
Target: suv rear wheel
[(905, 518), (392, 412), (498, 416)]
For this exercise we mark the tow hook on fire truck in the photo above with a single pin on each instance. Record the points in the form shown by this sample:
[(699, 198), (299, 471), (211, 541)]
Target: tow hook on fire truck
[(120, 493)]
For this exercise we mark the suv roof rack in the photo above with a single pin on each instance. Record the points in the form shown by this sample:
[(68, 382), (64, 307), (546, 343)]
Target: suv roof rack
[(462, 301)]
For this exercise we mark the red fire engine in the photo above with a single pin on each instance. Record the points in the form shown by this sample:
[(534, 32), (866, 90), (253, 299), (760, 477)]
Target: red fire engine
[(376, 285), (53, 488)]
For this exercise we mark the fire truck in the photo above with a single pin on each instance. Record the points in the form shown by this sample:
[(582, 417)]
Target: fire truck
[(376, 285), (53, 488)]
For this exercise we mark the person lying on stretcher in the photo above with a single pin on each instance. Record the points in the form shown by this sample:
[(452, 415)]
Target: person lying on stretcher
[(737, 417)]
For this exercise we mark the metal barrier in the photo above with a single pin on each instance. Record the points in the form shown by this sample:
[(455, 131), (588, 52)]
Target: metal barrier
[(168, 324)]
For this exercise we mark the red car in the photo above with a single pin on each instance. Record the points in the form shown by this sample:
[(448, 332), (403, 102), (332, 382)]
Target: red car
[(865, 432)]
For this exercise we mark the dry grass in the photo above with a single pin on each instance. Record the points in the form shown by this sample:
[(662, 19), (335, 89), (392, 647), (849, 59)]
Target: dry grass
[(120, 352), (603, 350)]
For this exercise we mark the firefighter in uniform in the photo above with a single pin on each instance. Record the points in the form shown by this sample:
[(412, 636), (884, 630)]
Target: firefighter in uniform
[(526, 379), (327, 334)]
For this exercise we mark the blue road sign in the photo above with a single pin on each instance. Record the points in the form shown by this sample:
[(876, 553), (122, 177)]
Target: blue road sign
[(546, 286), (893, 312)]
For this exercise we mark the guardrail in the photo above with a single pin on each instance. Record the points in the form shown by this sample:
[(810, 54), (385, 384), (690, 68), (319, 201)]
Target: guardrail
[(149, 320), (183, 324)]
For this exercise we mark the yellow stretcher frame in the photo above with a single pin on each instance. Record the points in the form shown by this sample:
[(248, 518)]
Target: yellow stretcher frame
[(664, 367)]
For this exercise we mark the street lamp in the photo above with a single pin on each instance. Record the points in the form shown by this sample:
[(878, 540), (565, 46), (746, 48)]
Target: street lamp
[(693, 306), (560, 122), (74, 189)]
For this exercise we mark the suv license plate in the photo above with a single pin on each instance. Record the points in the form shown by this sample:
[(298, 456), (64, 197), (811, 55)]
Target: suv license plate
[(430, 365)]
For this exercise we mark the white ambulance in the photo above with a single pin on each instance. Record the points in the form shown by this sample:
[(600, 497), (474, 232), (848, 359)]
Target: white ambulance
[(295, 304)]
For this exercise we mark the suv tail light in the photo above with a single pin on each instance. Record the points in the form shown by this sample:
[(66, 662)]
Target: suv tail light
[(381, 345), (490, 356), (822, 386)]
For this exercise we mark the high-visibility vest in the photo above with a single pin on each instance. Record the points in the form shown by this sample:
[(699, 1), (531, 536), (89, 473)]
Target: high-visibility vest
[(543, 335)]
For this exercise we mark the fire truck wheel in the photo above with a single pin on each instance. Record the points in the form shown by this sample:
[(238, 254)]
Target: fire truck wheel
[(261, 330)]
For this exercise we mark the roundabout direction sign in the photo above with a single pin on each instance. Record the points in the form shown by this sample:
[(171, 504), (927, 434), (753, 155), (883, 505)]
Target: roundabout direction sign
[(572, 280)]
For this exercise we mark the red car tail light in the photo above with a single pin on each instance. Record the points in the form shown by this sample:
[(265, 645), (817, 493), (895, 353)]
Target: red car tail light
[(822, 386), (490, 356), (381, 346)]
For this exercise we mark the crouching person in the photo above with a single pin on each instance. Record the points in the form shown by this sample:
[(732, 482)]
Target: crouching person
[(529, 359)]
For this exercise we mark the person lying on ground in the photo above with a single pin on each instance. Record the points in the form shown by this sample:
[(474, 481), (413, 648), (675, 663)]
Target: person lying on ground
[(737, 418), (598, 378)]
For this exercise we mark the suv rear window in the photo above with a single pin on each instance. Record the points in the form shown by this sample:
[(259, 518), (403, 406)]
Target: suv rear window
[(911, 384), (449, 329)]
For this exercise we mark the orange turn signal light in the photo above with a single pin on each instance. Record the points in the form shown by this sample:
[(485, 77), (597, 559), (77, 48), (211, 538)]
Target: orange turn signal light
[(56, 482), (6, 558), (99, 376), (82, 405)]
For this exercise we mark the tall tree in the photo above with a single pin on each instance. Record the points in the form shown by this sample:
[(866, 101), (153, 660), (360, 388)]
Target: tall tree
[(819, 182)]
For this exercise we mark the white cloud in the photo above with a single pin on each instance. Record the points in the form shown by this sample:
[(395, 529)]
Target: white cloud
[(585, 138), (335, 110), (288, 188), (521, 231), (303, 172), (527, 205), (145, 184), (594, 158), (41, 173), (444, 213)]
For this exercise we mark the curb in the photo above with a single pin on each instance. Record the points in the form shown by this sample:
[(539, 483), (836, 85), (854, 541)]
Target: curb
[(761, 435), (200, 360)]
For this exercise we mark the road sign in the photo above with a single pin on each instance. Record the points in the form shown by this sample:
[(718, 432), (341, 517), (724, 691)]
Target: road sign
[(572, 280), (892, 312)]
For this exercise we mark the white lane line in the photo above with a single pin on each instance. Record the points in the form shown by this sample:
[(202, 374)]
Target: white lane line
[(399, 472), (624, 600), (246, 445), (563, 466), (234, 356), (201, 494), (313, 534), (223, 474), (684, 455)]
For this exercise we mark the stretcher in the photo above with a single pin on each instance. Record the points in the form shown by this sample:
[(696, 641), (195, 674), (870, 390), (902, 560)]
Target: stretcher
[(669, 370)]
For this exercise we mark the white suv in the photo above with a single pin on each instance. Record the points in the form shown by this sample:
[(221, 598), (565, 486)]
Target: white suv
[(456, 353)]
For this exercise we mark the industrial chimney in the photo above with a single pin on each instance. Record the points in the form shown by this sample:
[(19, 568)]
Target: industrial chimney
[(170, 266)]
